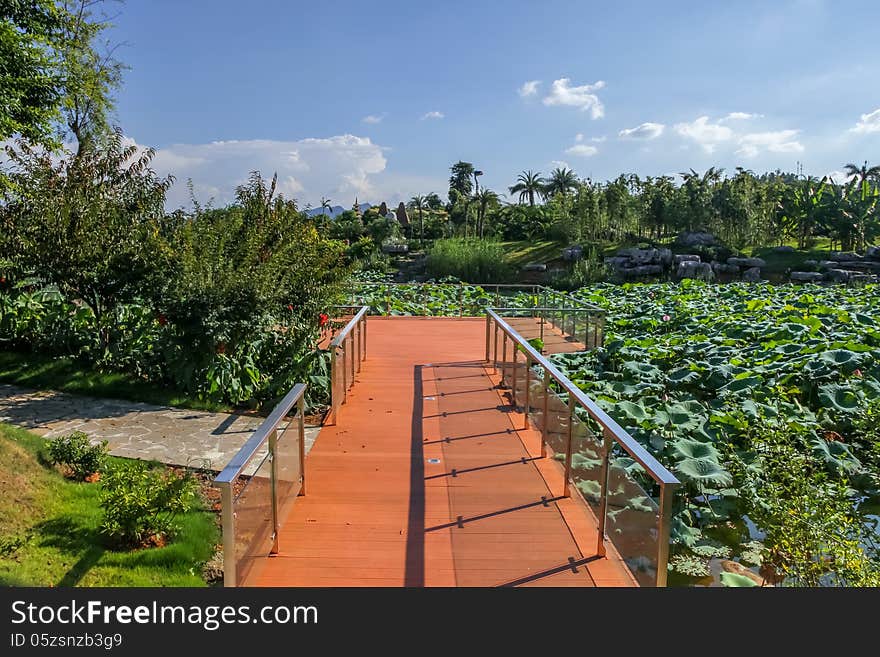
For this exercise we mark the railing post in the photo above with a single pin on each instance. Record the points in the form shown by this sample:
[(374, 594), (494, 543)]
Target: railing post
[(344, 375), (353, 354), (365, 336), (515, 348), (503, 358), (495, 350), (663, 523), (567, 491), (460, 300), (302, 445), (608, 443), (545, 431), (226, 505), (273, 487), (488, 325), (359, 337), (528, 395)]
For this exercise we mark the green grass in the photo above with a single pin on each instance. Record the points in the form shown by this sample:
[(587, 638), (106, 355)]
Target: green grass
[(780, 262), (49, 530), (45, 373), (522, 252)]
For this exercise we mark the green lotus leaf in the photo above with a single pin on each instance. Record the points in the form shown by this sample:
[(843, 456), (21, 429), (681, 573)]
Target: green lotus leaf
[(704, 471), (694, 449)]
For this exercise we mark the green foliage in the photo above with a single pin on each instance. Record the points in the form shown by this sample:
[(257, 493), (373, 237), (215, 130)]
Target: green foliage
[(141, 504), (77, 454), (30, 86), (477, 261)]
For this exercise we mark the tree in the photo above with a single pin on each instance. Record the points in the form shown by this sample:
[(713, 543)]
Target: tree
[(86, 224), (528, 184), (30, 85), (90, 71), (485, 199), (433, 201), (325, 205), (561, 181), (419, 203), (863, 173), (460, 180)]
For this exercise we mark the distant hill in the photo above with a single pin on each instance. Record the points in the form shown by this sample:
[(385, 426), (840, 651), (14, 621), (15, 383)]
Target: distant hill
[(336, 210)]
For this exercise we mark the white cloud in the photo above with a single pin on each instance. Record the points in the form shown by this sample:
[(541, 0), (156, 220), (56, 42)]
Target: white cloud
[(579, 137), (840, 177), (373, 118), (529, 88), (433, 115), (582, 150), (598, 140), (559, 164), (645, 131), (780, 141), (708, 135), (869, 123), (341, 167), (740, 116), (562, 93)]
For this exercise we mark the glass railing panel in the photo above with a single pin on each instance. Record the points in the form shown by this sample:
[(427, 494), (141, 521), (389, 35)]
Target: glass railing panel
[(632, 516), (253, 518), (289, 466), (587, 457)]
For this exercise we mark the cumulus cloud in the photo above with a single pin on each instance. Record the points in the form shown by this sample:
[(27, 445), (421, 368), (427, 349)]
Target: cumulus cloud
[(373, 118), (559, 164), (645, 131), (529, 88), (780, 141), (869, 123), (598, 140), (582, 150), (582, 97), (708, 135), (433, 115), (840, 177)]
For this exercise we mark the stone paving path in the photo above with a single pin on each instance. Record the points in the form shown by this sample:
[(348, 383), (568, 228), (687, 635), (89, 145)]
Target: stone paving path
[(134, 430)]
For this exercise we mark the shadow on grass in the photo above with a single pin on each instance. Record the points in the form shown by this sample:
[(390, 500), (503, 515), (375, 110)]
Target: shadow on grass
[(66, 535)]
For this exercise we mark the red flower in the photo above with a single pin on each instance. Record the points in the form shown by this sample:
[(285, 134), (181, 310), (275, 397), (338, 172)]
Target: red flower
[(323, 319), (221, 348), (161, 319), (290, 306), (858, 373), (2, 279)]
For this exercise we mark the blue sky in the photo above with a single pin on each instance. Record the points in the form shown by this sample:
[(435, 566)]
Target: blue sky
[(378, 99)]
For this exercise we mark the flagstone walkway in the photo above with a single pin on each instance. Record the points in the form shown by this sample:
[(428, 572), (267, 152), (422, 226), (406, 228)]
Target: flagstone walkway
[(134, 430)]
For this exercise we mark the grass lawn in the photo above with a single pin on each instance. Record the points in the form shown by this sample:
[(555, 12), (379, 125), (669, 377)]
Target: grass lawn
[(49, 530), (522, 252), (45, 373)]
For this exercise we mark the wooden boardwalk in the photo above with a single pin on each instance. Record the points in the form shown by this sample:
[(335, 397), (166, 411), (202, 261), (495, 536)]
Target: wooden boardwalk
[(428, 480)]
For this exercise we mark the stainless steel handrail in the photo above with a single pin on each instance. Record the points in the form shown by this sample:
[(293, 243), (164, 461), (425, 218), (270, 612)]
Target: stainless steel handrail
[(355, 333), (266, 434), (612, 431)]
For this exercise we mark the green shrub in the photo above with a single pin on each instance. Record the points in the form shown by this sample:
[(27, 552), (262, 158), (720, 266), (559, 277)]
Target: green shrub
[(141, 503), (472, 260), (77, 455)]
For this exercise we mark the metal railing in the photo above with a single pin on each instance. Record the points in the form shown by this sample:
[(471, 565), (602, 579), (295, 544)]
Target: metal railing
[(348, 349), (628, 490), (258, 486), (575, 318)]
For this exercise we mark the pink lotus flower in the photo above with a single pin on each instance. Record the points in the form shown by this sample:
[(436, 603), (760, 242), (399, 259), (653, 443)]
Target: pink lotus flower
[(666, 318)]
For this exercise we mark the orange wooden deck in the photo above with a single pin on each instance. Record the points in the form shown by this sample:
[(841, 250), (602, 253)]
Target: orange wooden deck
[(428, 480)]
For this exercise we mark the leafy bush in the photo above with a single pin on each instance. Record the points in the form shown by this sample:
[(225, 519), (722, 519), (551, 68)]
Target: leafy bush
[(77, 455), (472, 260), (141, 503)]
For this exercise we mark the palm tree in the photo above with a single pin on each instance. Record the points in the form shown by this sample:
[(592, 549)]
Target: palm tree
[(484, 200), (863, 172), (460, 179), (325, 205), (562, 181), (527, 185), (420, 203)]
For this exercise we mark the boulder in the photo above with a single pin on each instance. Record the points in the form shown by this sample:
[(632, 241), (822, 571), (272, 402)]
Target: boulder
[(697, 270), (617, 262), (845, 256), (783, 249), (535, 266), (752, 274), (827, 264), (864, 265), (746, 262), (811, 263), (721, 268), (873, 253), (666, 257), (642, 270), (805, 276), (838, 275), (641, 256), (696, 239), (678, 259), (573, 253)]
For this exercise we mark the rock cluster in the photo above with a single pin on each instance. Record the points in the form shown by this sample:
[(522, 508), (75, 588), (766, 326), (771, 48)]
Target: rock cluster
[(846, 267)]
